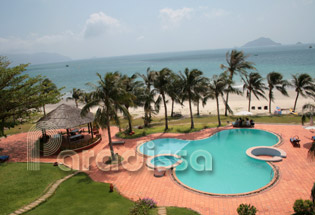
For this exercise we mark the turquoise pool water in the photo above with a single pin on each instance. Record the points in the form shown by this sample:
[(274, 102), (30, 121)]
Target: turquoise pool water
[(164, 161), (232, 172)]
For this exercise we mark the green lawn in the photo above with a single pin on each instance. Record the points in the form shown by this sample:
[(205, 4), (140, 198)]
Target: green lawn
[(19, 186), (25, 126), (81, 195), (180, 211), (183, 125)]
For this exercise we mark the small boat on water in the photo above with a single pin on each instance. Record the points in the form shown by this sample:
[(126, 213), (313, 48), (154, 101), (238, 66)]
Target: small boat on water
[(310, 47), (67, 65)]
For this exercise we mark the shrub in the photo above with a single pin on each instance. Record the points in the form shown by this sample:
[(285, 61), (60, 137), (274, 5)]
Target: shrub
[(246, 209), (149, 202), (303, 207), (142, 207)]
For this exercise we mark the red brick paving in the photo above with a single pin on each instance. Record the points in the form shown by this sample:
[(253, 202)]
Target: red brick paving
[(297, 175)]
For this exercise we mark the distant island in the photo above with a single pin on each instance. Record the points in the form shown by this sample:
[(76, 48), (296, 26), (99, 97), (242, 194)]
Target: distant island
[(36, 58), (260, 42)]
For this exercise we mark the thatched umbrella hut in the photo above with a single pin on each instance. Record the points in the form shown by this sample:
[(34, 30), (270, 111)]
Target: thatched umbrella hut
[(66, 117)]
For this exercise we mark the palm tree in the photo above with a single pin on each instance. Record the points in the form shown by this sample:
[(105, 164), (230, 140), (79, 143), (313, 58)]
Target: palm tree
[(304, 85), (50, 93), (161, 84), (86, 97), (308, 112), (190, 80), (174, 90), (75, 95), (253, 83), (237, 62), (132, 87), (147, 95), (216, 88), (200, 89), (108, 96), (275, 80)]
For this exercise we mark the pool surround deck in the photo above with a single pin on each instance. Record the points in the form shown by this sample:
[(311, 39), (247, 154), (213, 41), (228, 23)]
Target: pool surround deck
[(297, 174)]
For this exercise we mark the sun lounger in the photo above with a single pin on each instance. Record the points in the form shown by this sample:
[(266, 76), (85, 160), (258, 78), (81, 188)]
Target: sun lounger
[(118, 142), (4, 158), (295, 141)]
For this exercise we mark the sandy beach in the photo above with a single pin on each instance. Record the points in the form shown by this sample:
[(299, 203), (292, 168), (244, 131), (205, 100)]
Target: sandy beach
[(237, 103)]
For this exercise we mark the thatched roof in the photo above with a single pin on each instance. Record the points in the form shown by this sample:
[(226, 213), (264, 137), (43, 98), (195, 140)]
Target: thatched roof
[(64, 117)]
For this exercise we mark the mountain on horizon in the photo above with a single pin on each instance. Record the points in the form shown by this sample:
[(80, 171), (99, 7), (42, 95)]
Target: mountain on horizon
[(260, 42), (36, 58)]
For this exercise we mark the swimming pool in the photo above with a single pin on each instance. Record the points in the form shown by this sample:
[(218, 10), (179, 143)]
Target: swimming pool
[(232, 171)]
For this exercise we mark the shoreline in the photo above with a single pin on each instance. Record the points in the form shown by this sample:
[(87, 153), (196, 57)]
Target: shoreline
[(237, 103)]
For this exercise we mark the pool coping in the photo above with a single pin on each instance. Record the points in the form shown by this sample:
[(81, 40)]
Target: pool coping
[(268, 186), (152, 166)]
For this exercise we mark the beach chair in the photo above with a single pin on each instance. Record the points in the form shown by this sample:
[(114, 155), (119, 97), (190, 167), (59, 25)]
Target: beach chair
[(4, 158), (295, 141)]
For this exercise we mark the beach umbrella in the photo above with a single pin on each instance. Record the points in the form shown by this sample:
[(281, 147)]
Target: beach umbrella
[(243, 113)]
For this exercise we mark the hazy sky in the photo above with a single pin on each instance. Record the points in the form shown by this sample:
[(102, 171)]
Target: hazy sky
[(98, 28)]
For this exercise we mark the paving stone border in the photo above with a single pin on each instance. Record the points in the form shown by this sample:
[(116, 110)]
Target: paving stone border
[(43, 198), (162, 211)]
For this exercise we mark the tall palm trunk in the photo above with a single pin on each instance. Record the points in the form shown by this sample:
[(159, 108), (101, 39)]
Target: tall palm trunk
[(129, 120), (191, 114), (44, 110), (172, 112), (227, 94), (109, 136), (249, 99), (76, 103), (165, 110), (198, 112), (297, 96), (270, 100), (218, 110), (226, 103)]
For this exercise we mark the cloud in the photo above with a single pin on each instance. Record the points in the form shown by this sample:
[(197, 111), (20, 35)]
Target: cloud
[(98, 24), (171, 18), (216, 12), (35, 43)]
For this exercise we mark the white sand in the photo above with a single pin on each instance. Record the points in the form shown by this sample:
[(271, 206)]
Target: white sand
[(236, 102)]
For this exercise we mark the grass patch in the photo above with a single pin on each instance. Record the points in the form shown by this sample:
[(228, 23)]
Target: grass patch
[(23, 126), (173, 128), (20, 186), (180, 211), (183, 125), (81, 195)]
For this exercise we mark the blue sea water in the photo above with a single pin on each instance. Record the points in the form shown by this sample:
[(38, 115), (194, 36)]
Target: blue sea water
[(287, 60)]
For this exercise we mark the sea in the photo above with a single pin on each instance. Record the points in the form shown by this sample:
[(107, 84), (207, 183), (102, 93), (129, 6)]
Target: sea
[(286, 59)]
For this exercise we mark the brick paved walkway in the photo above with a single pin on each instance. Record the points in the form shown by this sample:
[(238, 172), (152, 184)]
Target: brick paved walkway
[(297, 175)]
